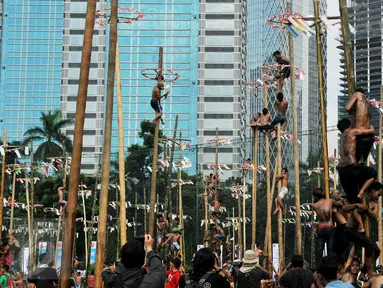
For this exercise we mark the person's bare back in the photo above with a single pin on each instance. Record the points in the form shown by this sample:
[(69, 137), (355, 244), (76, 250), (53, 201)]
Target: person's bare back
[(363, 110), (282, 107), (374, 282), (323, 209), (156, 93)]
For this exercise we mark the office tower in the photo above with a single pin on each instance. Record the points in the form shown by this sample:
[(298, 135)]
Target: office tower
[(72, 42), (172, 25), (31, 59), (367, 53), (222, 80), (263, 41)]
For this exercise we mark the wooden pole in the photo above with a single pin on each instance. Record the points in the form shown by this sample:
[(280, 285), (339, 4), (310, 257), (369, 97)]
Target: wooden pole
[(66, 265), (3, 179), (153, 190), (216, 164), (380, 220), (239, 226), (85, 231), (254, 199), (60, 216), (13, 201), (205, 195), (334, 166), (348, 51), (269, 192), (233, 236), (180, 209), (168, 195), (298, 227), (280, 214), (244, 210), (30, 232), (101, 228), (322, 99), (121, 159)]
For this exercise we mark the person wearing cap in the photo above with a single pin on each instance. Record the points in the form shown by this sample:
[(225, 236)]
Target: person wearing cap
[(250, 274), (295, 275)]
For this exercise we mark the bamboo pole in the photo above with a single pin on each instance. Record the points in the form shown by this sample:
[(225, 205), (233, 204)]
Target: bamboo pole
[(180, 209), (30, 232), (121, 159), (380, 220), (168, 194), (13, 201), (153, 189), (60, 216), (66, 265), (244, 211), (334, 166), (206, 242), (298, 227), (269, 193), (348, 50), (254, 199), (3, 179), (85, 231), (102, 224), (280, 214), (216, 164), (322, 99), (239, 227)]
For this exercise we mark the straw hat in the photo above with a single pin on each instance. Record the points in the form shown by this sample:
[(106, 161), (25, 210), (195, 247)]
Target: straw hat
[(250, 257)]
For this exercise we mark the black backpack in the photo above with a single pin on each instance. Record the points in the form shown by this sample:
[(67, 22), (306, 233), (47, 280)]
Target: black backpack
[(189, 283)]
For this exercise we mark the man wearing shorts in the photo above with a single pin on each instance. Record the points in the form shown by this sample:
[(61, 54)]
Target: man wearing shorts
[(282, 193), (285, 72), (156, 101)]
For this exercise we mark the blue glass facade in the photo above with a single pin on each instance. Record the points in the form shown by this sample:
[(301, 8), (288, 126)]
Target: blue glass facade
[(32, 33), (174, 26)]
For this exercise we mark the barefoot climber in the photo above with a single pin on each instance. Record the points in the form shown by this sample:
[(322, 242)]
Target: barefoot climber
[(355, 178), (156, 101), (278, 201)]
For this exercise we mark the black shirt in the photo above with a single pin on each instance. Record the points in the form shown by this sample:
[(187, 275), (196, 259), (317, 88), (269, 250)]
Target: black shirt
[(213, 281), (297, 278), (43, 277)]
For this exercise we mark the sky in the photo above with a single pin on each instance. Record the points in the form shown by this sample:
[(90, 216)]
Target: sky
[(333, 75)]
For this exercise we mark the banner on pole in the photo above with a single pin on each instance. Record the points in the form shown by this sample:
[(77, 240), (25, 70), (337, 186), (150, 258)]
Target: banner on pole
[(25, 259), (93, 248), (59, 255), (276, 256), (42, 249)]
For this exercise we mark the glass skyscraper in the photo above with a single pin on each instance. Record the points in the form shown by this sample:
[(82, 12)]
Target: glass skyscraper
[(31, 59)]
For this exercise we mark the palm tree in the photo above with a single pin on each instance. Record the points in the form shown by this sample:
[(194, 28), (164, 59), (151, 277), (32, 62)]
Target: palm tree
[(54, 142)]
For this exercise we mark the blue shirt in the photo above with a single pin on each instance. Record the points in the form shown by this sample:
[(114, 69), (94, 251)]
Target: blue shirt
[(339, 284)]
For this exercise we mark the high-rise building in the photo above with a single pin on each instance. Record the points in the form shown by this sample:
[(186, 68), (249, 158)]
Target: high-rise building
[(222, 80), (41, 57), (366, 18), (263, 41), (31, 59)]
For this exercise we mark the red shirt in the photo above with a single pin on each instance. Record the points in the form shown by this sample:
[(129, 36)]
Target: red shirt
[(173, 278)]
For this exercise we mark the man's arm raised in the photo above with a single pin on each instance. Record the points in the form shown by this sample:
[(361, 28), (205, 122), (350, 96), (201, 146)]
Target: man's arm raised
[(351, 102)]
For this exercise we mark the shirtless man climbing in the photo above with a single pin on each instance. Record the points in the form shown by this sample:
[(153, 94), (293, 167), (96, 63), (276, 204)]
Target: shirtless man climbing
[(372, 250), (279, 200), (156, 101), (362, 120), (324, 234), (351, 174), (285, 72)]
